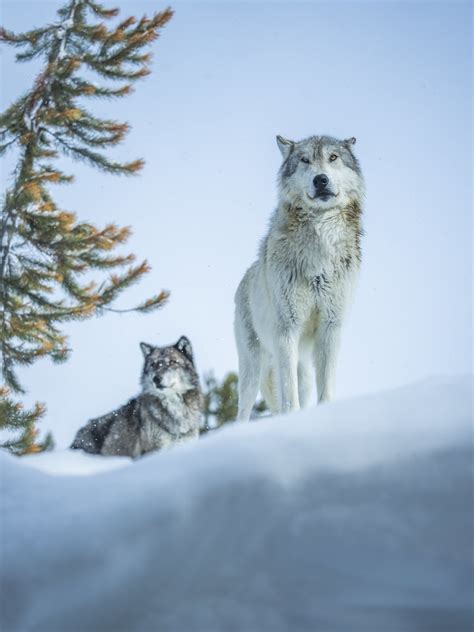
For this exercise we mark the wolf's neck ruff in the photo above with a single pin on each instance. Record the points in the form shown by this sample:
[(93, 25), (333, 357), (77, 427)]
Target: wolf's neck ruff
[(352, 214), (170, 411), (172, 402), (338, 228), (299, 213)]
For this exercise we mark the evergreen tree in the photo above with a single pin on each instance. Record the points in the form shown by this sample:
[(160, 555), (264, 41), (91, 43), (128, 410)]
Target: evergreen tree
[(14, 417), (46, 254), (221, 401)]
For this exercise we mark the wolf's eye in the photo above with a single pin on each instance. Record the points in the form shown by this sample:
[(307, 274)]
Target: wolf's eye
[(333, 157), (305, 160)]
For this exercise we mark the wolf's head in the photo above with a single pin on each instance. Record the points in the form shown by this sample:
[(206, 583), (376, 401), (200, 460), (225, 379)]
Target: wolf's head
[(320, 172), (169, 370)]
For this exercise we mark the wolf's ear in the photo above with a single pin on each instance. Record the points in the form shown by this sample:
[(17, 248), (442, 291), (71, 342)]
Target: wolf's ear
[(350, 141), (184, 346), (146, 349), (284, 145)]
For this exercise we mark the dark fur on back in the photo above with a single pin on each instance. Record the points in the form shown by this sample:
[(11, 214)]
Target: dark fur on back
[(91, 437)]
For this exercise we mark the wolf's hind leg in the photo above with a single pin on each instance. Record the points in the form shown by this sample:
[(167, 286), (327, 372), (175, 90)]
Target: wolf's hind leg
[(267, 388), (249, 373), (248, 348), (248, 386)]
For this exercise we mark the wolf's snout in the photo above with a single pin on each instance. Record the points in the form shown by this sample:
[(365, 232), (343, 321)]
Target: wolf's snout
[(320, 181), (157, 381)]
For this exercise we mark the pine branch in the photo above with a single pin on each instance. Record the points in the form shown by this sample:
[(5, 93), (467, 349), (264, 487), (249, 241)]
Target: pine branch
[(45, 250), (13, 417)]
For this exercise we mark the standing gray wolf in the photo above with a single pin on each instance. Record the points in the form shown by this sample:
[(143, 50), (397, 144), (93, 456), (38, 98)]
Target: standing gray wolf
[(291, 301), (167, 410)]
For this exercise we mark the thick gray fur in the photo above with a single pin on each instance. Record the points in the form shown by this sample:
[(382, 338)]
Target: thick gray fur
[(168, 409)]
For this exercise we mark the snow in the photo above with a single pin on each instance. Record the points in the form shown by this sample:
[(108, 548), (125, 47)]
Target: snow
[(73, 462), (351, 516)]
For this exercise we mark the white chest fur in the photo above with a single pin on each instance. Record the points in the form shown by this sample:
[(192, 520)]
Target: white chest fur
[(311, 262)]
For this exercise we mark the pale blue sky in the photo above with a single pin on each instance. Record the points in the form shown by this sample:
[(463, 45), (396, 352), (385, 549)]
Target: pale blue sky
[(228, 77)]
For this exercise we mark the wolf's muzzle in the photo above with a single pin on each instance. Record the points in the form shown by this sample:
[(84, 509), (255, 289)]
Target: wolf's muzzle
[(320, 183)]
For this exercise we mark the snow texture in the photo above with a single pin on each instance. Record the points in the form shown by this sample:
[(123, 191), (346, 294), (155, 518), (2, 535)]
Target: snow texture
[(73, 462), (352, 516)]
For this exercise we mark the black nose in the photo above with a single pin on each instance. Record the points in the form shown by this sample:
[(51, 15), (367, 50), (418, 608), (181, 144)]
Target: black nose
[(320, 181), (157, 381)]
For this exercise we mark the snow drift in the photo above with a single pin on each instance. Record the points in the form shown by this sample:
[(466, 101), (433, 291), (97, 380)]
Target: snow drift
[(352, 516)]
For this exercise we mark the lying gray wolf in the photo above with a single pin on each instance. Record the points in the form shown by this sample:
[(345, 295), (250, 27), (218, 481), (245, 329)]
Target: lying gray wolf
[(291, 302), (168, 409)]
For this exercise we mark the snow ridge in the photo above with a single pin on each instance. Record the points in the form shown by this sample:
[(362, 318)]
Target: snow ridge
[(351, 516)]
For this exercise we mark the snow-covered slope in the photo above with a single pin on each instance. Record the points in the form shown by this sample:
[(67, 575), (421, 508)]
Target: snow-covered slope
[(353, 516), (73, 462)]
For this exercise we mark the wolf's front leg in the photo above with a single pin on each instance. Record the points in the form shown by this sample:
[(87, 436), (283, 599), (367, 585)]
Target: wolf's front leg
[(325, 352), (287, 373)]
